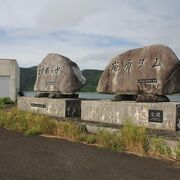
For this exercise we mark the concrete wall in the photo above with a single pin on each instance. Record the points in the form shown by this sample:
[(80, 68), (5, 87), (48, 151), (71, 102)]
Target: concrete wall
[(9, 68), (165, 115), (54, 107), (106, 111)]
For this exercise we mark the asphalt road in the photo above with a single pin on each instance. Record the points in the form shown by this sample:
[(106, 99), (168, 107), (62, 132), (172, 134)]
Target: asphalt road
[(23, 157)]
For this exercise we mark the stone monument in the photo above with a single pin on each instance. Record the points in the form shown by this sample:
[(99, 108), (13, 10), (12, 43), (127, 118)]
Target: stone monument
[(57, 77), (145, 74)]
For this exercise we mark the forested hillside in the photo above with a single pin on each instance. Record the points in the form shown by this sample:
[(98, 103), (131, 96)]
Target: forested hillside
[(28, 77)]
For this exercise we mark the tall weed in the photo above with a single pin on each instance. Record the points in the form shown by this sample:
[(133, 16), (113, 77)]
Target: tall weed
[(160, 147), (109, 140), (134, 138)]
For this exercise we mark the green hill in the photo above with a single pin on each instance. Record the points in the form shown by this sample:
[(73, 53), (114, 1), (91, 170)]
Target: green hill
[(92, 77), (28, 78)]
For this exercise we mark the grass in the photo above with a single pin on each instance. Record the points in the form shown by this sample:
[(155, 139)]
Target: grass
[(160, 147), (109, 140), (134, 138), (128, 138), (33, 131), (177, 152), (4, 101)]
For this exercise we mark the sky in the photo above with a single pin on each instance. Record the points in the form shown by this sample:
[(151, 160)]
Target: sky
[(89, 32)]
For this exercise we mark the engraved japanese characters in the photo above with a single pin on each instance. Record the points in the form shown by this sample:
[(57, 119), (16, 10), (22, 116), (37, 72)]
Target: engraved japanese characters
[(58, 75), (144, 74)]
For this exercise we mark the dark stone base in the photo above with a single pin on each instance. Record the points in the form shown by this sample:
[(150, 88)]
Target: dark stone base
[(41, 95), (141, 98), (59, 95), (55, 95), (152, 98), (124, 98)]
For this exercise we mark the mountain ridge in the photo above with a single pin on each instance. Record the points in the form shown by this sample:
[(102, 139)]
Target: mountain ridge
[(28, 78)]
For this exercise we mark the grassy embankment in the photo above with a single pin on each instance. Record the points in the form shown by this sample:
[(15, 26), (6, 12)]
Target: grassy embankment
[(129, 138)]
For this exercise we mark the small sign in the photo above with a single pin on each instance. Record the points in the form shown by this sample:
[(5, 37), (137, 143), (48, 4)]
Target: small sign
[(38, 105), (147, 81), (156, 116)]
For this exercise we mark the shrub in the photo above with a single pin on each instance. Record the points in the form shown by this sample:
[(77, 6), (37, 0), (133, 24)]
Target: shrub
[(159, 147), (2, 115), (90, 139), (33, 131), (1, 104), (109, 140), (10, 119), (47, 126), (70, 130), (4, 101), (177, 151), (7, 100), (134, 138)]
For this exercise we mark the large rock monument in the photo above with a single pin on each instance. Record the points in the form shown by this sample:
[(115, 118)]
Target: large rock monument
[(143, 74), (58, 76)]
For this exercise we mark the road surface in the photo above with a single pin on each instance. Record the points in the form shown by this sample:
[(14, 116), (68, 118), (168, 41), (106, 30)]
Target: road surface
[(36, 157)]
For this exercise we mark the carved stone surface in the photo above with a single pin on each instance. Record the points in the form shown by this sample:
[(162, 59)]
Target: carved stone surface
[(153, 70), (58, 74)]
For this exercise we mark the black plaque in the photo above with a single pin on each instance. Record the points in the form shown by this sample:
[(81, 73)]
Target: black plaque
[(178, 117), (38, 105), (73, 108), (156, 116)]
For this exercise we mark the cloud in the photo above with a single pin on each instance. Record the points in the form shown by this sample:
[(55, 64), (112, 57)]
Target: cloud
[(90, 32), (19, 13), (145, 23), (88, 50), (59, 13)]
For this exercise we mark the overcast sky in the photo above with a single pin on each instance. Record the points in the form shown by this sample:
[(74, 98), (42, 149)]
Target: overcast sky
[(89, 32)]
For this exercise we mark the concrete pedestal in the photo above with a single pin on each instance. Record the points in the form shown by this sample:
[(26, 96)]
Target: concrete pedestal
[(55, 107), (164, 115)]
